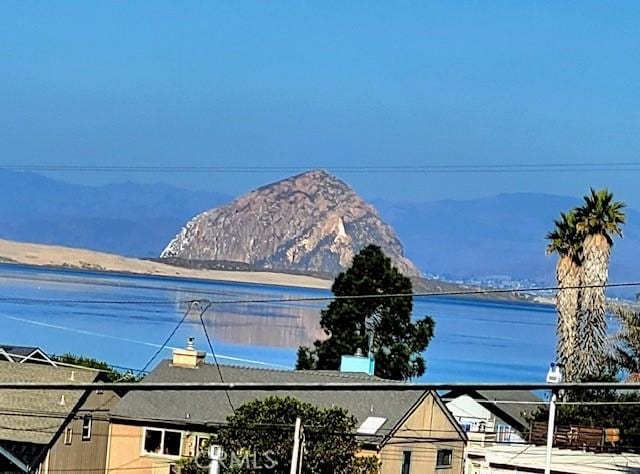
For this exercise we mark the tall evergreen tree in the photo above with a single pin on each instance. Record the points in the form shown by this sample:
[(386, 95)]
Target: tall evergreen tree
[(599, 219), (566, 241), (353, 324)]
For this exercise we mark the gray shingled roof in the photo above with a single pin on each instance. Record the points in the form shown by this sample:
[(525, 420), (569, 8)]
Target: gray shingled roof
[(17, 420), (212, 407)]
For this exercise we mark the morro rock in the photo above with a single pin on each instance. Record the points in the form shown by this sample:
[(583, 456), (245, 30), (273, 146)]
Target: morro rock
[(310, 222)]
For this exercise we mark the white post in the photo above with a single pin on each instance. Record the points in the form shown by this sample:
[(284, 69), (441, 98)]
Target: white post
[(296, 455), (550, 430), (215, 453), (553, 376)]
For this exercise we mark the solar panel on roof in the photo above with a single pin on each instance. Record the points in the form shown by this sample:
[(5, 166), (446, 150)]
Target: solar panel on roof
[(371, 425)]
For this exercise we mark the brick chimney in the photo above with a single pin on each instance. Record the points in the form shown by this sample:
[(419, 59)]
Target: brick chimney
[(188, 357)]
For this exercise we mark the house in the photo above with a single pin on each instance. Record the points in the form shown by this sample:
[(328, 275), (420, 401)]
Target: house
[(24, 354), (52, 430), (410, 431), (499, 416)]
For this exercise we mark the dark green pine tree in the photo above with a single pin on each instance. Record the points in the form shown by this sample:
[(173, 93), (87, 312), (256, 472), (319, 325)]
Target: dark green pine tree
[(397, 342)]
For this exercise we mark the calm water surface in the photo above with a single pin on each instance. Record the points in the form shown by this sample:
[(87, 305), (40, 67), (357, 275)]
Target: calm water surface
[(476, 340)]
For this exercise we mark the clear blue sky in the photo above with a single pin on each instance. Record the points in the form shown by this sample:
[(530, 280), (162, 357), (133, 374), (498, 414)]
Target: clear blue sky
[(305, 83)]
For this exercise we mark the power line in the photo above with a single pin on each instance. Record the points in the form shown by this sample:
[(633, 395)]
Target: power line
[(371, 386), (360, 169), (476, 292), (171, 334), (215, 359)]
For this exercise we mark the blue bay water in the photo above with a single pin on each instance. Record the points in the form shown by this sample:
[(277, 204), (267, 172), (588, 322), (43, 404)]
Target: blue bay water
[(475, 340)]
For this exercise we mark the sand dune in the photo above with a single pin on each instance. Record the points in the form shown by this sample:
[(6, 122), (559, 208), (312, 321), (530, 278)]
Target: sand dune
[(67, 257)]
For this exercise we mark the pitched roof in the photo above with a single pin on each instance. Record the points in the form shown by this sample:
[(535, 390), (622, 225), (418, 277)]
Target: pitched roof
[(518, 404), (17, 421), (212, 407), (24, 354), (19, 350)]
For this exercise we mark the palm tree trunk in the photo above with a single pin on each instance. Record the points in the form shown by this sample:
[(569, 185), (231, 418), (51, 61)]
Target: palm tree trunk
[(568, 273), (592, 325)]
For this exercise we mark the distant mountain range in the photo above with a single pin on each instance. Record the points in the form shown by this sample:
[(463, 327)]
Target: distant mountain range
[(128, 218), (497, 238), (492, 238)]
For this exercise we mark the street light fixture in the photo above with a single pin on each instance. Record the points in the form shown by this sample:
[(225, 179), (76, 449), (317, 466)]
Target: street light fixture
[(554, 376)]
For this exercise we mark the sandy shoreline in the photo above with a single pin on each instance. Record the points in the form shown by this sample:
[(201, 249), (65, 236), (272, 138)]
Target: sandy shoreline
[(67, 257)]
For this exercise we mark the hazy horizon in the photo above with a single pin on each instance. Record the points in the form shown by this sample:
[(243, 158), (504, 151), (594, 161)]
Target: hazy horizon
[(306, 85)]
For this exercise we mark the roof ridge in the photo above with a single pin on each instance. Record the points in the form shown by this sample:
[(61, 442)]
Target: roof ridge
[(314, 373)]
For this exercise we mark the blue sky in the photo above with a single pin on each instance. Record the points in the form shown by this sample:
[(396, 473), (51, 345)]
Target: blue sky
[(321, 84)]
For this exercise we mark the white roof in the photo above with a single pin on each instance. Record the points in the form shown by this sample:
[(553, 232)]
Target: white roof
[(563, 460)]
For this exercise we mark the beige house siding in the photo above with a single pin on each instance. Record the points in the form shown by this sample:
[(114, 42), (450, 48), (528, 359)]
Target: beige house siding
[(429, 420), (85, 455), (126, 450)]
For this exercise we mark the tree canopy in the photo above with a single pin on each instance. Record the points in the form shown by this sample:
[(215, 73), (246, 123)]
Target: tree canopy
[(111, 374), (260, 436), (384, 323)]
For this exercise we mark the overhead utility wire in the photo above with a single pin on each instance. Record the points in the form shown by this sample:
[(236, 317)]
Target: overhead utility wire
[(488, 291), (428, 168), (171, 334), (215, 359), (315, 386)]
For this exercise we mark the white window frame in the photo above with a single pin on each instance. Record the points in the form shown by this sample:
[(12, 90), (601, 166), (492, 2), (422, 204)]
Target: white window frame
[(161, 453), (503, 433), (89, 427)]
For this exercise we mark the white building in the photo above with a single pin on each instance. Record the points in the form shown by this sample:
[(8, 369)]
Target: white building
[(493, 416)]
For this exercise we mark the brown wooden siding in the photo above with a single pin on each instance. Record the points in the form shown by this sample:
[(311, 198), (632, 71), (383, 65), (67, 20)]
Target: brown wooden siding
[(84, 455)]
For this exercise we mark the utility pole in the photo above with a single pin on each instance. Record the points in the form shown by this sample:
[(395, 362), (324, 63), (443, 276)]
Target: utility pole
[(298, 448), (553, 376)]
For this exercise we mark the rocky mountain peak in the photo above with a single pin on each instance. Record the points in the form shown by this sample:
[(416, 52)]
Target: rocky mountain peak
[(309, 222)]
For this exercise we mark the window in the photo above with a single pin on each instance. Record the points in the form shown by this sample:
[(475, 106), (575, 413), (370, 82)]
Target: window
[(444, 457), (202, 444), (68, 436), (87, 423), (162, 442), (503, 433), (406, 462), (172, 441), (153, 441)]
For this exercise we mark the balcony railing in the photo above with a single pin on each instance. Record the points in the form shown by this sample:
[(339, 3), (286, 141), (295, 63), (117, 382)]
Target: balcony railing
[(586, 438)]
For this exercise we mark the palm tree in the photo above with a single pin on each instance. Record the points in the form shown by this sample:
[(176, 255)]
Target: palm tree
[(599, 220), (626, 349), (566, 241)]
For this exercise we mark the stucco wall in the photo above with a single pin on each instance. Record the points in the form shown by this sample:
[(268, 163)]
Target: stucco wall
[(125, 452)]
